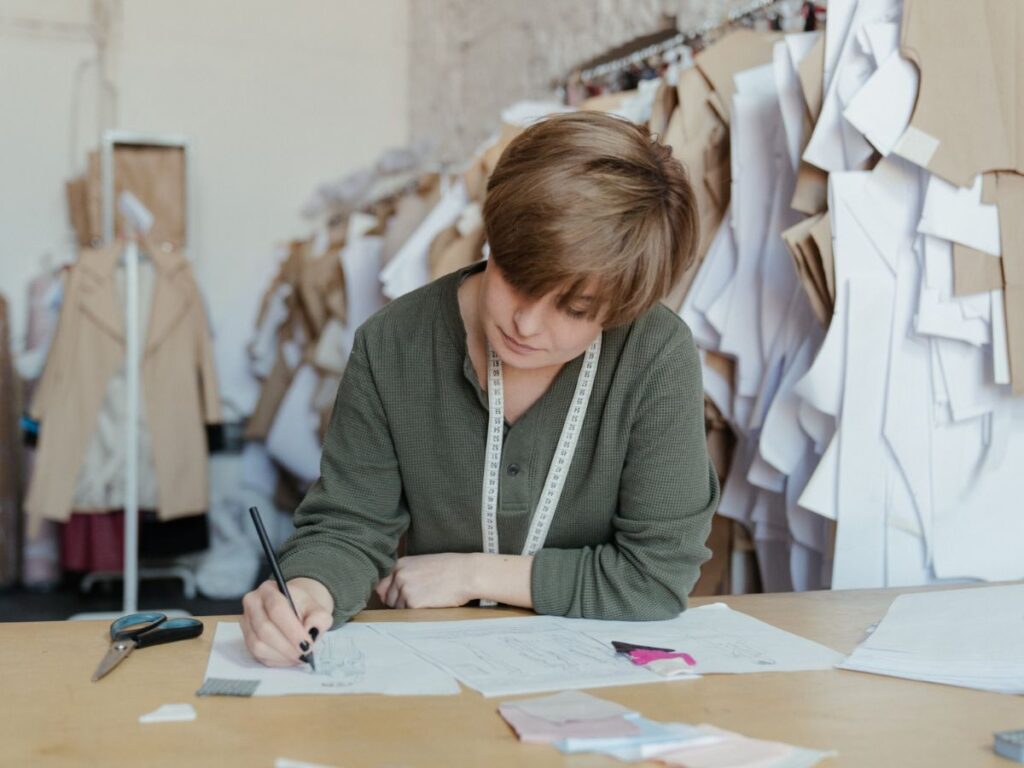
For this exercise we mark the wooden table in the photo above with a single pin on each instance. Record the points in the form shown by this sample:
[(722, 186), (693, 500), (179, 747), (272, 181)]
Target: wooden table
[(51, 714)]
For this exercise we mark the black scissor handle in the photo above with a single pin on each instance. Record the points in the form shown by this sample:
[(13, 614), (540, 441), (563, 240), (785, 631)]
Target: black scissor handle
[(170, 630), (134, 624)]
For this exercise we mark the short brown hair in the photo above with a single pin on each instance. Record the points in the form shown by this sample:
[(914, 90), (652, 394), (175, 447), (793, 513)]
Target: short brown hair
[(587, 200)]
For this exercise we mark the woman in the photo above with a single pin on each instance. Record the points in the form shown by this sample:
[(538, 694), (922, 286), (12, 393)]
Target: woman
[(533, 423)]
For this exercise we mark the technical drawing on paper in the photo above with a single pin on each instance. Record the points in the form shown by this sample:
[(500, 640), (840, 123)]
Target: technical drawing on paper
[(501, 657)]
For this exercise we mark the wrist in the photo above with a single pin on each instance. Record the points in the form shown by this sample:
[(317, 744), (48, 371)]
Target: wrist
[(316, 590), (475, 579)]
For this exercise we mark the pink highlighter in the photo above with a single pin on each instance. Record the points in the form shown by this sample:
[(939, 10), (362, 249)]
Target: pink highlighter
[(645, 654)]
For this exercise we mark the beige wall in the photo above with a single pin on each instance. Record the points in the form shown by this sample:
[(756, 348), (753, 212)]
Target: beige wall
[(275, 96)]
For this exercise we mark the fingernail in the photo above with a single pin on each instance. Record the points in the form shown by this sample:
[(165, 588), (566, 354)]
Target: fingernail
[(314, 633), (304, 646)]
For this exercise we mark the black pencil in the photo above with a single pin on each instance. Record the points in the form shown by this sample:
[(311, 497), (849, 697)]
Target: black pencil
[(278, 577)]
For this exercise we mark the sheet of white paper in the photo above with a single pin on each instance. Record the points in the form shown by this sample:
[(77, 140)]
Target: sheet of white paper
[(800, 44), (756, 131), (957, 214), (287, 762), (820, 494), (782, 441), (860, 535), (714, 274), (293, 439), (978, 527), (408, 268), (720, 640), (810, 531), (967, 378), (967, 637), (833, 145), (786, 313), (882, 39), (353, 659), (881, 110), (870, 216), (738, 495), (360, 261), (1000, 350), (819, 426), (939, 312), (170, 713), (791, 97), (908, 408), (505, 657), (840, 18)]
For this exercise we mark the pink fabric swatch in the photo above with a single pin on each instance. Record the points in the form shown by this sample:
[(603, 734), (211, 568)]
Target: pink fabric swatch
[(733, 751), (537, 730), (643, 656)]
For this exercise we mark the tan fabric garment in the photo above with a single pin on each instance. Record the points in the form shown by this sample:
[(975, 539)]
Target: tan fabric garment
[(101, 478), (700, 141), (178, 380)]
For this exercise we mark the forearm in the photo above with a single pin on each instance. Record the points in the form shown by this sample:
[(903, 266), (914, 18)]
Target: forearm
[(503, 579)]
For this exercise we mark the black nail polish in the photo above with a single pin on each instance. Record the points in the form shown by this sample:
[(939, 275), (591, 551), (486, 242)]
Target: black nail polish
[(304, 646), (314, 633)]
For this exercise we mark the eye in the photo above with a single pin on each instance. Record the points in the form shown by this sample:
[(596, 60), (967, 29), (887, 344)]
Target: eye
[(575, 314)]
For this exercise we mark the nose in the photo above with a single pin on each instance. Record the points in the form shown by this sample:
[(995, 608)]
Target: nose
[(528, 319)]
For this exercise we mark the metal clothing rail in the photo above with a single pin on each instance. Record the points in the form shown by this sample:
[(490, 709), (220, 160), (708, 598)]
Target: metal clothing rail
[(598, 68), (133, 357)]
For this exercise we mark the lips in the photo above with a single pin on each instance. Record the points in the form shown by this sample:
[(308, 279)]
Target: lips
[(516, 346)]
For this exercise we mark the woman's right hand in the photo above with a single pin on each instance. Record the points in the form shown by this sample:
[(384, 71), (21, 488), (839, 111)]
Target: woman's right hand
[(273, 634)]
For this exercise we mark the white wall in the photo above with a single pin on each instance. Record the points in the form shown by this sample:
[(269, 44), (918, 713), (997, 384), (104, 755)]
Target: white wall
[(274, 95)]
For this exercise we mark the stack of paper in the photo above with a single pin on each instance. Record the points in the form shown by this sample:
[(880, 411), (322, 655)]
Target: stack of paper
[(972, 638), (577, 722)]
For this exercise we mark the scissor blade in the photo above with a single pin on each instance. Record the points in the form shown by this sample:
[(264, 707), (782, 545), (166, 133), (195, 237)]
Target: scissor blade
[(118, 650)]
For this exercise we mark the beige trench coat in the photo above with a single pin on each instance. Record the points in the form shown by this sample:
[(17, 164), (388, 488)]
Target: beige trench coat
[(178, 380)]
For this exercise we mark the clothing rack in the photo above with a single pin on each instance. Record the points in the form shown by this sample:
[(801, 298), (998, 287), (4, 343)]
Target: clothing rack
[(132, 573), (661, 43)]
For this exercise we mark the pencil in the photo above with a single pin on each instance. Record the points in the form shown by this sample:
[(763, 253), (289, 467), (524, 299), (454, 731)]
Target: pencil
[(278, 577)]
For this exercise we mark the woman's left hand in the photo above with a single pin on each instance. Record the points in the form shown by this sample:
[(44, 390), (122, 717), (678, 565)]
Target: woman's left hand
[(430, 581)]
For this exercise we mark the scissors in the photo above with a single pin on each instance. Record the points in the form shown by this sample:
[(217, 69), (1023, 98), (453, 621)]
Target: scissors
[(140, 630)]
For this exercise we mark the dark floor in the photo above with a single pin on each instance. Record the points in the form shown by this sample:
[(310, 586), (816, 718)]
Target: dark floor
[(61, 603)]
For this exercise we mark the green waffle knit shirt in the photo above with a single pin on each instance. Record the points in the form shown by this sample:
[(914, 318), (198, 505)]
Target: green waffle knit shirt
[(404, 453)]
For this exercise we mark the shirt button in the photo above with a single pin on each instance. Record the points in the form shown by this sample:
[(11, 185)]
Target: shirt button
[(513, 470)]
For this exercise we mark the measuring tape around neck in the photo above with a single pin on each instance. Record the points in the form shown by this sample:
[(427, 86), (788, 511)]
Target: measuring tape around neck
[(555, 482)]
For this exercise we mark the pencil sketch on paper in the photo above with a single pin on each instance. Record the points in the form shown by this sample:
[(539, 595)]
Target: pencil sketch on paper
[(352, 659), (340, 662)]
